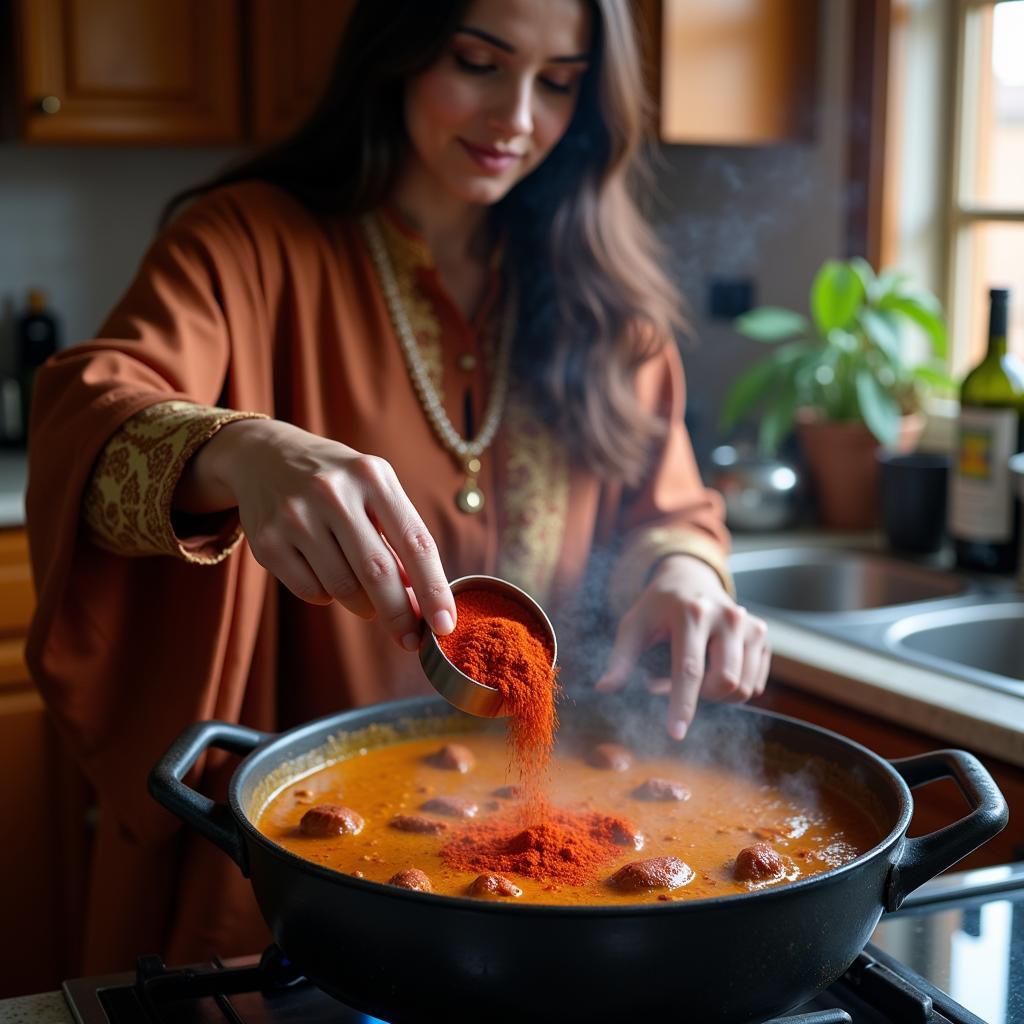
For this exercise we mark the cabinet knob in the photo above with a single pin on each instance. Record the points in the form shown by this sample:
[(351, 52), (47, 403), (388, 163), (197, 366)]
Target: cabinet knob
[(48, 104)]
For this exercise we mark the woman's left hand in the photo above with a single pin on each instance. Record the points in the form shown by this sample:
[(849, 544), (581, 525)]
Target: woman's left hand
[(719, 650)]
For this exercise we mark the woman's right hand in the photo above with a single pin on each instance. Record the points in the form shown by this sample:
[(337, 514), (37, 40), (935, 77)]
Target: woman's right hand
[(331, 523)]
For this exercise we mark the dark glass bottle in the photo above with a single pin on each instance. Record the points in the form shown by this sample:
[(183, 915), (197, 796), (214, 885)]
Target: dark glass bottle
[(984, 514), (36, 339)]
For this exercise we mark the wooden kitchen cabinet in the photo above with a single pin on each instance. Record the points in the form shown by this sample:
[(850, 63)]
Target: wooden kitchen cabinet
[(128, 71), (732, 72), (935, 805), (191, 71), (230, 71), (42, 804)]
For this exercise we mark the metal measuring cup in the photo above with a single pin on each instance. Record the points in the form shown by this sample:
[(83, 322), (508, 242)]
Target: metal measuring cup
[(456, 687)]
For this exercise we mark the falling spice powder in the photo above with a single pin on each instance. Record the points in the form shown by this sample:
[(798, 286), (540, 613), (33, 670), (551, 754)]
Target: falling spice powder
[(498, 642)]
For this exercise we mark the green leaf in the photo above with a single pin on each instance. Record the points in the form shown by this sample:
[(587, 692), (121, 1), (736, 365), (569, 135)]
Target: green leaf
[(881, 331), (890, 281), (778, 419), (935, 378), (926, 311), (880, 412), (836, 293), (866, 273), (749, 388), (843, 341), (771, 324)]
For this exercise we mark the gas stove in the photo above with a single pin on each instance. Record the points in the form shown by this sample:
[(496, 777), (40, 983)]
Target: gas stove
[(953, 955)]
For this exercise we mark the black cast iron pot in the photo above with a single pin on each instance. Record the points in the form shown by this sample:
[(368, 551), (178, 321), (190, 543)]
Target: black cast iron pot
[(412, 957)]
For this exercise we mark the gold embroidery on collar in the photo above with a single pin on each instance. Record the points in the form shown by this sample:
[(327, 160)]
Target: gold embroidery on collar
[(536, 501), (408, 256)]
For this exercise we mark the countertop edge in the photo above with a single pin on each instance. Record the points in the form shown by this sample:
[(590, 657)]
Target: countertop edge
[(41, 1008)]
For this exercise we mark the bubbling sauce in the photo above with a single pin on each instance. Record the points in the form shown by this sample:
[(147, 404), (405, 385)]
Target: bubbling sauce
[(675, 811)]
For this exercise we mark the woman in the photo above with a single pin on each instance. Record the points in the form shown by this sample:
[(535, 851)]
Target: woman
[(427, 335)]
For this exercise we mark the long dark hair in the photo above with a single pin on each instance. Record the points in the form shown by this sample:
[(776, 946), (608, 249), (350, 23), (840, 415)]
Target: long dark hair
[(594, 300)]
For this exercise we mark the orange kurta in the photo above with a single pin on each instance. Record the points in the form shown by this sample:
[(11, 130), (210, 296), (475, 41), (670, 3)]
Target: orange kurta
[(249, 302)]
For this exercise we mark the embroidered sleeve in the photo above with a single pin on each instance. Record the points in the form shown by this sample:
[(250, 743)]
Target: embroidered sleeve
[(646, 548), (127, 505)]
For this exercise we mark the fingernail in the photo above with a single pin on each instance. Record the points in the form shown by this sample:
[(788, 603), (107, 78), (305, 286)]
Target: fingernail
[(443, 623), (410, 641), (677, 730)]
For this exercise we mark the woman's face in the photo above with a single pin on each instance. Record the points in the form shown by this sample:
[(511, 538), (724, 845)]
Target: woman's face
[(500, 97)]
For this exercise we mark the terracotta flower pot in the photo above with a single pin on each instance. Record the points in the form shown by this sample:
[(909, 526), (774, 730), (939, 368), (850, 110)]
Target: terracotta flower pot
[(840, 458)]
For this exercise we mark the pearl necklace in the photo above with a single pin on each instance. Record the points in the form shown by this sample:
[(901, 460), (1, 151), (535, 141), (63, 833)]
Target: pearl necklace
[(470, 498)]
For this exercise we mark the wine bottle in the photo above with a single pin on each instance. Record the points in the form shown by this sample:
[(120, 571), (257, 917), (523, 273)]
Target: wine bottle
[(984, 514), (36, 340)]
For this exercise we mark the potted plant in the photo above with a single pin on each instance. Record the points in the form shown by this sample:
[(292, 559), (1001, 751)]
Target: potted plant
[(843, 378)]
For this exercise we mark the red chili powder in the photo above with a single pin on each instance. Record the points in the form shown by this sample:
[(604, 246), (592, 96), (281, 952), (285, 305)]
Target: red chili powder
[(498, 642), (567, 847)]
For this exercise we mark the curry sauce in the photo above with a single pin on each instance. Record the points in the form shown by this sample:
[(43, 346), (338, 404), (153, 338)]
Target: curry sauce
[(705, 816)]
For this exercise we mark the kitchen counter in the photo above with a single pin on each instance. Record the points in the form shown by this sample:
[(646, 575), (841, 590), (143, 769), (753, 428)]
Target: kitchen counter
[(45, 1008), (13, 477), (962, 713)]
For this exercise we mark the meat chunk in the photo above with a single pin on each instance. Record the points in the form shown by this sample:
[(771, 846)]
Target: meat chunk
[(412, 878), (491, 886), (451, 806), (661, 789), (625, 834), (454, 757), (509, 792), (418, 823), (648, 875), (611, 757), (331, 820), (759, 863)]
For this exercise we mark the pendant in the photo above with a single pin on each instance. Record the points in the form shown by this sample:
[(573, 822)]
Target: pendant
[(470, 499)]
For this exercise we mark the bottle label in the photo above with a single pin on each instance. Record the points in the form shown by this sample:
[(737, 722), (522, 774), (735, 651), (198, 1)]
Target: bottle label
[(981, 501)]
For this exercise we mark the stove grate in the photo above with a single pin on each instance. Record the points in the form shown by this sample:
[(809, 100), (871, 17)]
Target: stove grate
[(875, 990)]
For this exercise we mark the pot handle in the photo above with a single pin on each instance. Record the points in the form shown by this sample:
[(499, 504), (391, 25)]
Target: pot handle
[(213, 820), (924, 857)]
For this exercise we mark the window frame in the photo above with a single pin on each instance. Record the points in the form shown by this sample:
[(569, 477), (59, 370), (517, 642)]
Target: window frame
[(972, 59)]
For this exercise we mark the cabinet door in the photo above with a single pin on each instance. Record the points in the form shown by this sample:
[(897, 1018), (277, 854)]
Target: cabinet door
[(149, 71), (737, 72), (293, 45)]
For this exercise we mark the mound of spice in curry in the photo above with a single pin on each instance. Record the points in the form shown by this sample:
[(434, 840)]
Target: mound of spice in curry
[(566, 847), (498, 642)]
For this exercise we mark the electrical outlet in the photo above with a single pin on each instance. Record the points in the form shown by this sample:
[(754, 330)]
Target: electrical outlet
[(730, 297)]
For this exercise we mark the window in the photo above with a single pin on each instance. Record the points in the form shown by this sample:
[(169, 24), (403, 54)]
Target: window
[(987, 193)]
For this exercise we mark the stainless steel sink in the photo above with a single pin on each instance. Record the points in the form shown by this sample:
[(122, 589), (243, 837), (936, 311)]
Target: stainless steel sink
[(971, 628), (813, 580), (987, 638)]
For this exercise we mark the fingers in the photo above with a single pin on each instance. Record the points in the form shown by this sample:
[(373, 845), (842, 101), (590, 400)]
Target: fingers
[(292, 569), (763, 671), (417, 555), (378, 574), (625, 652), (689, 647), (335, 574), (737, 663), (726, 657)]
